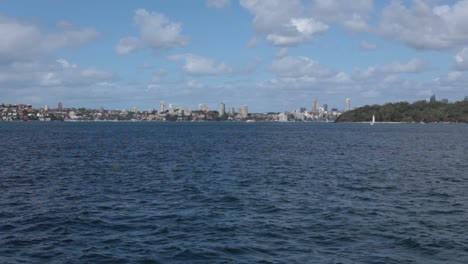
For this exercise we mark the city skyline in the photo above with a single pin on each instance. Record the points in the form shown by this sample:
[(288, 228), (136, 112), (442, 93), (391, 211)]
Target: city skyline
[(268, 55)]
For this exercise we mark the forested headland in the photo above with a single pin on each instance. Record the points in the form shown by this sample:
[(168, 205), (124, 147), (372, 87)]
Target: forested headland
[(420, 111)]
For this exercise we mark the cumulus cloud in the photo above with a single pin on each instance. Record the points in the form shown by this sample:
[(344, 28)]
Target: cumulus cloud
[(217, 3), (26, 41), (45, 81), (283, 23), (368, 46), (396, 67), (424, 25), (461, 60), (353, 16), (281, 52), (199, 65), (60, 73), (298, 66), (301, 77), (157, 32)]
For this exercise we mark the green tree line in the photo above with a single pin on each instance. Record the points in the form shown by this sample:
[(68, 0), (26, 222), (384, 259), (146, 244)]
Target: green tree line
[(420, 111)]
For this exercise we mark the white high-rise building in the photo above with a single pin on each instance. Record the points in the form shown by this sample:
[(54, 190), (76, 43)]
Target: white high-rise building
[(171, 109), (222, 109), (162, 107), (232, 111), (348, 104), (243, 111)]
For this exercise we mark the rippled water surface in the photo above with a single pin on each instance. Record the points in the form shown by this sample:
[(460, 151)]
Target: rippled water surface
[(233, 193)]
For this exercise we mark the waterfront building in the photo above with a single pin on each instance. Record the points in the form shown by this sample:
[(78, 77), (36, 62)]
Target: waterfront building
[(348, 104), (282, 117), (315, 106), (60, 106), (134, 109), (203, 107), (171, 109), (232, 111), (162, 107), (243, 111), (325, 107), (222, 109), (46, 108)]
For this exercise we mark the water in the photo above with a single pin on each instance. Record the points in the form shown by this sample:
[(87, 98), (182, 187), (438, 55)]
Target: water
[(233, 193)]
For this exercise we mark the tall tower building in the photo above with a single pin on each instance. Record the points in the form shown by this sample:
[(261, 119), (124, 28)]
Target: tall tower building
[(171, 109), (60, 106), (315, 106), (433, 98), (325, 107), (348, 104), (243, 111), (232, 111), (222, 109), (162, 107)]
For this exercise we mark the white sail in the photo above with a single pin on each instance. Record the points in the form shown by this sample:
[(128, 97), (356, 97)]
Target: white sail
[(373, 120)]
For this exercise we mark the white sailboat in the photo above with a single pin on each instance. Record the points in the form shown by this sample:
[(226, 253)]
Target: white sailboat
[(373, 120)]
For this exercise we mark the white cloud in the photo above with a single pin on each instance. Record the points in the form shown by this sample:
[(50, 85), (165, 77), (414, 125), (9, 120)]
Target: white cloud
[(283, 23), (396, 67), (157, 32), (198, 65), (20, 74), (51, 81), (295, 67), (217, 3), (424, 25), (195, 84), (353, 16), (356, 23), (461, 60), (26, 41), (368, 46), (281, 52)]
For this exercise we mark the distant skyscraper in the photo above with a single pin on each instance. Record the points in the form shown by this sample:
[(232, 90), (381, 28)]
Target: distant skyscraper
[(46, 108), (203, 107), (348, 104), (60, 106), (171, 109), (162, 107), (433, 98), (222, 109), (232, 111), (325, 107), (243, 111), (315, 106)]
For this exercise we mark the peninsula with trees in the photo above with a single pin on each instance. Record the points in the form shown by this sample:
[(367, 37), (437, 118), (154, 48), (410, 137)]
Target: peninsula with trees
[(404, 112)]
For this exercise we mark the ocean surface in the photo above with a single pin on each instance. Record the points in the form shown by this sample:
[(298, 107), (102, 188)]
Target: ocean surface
[(233, 193)]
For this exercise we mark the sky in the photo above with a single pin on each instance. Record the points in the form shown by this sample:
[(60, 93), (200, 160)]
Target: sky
[(272, 55)]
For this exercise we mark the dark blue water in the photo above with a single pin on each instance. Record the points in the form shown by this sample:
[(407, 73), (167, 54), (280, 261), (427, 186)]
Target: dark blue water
[(233, 193)]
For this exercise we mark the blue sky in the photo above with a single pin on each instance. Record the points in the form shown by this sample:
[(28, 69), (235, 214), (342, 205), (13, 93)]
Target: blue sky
[(272, 55)]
